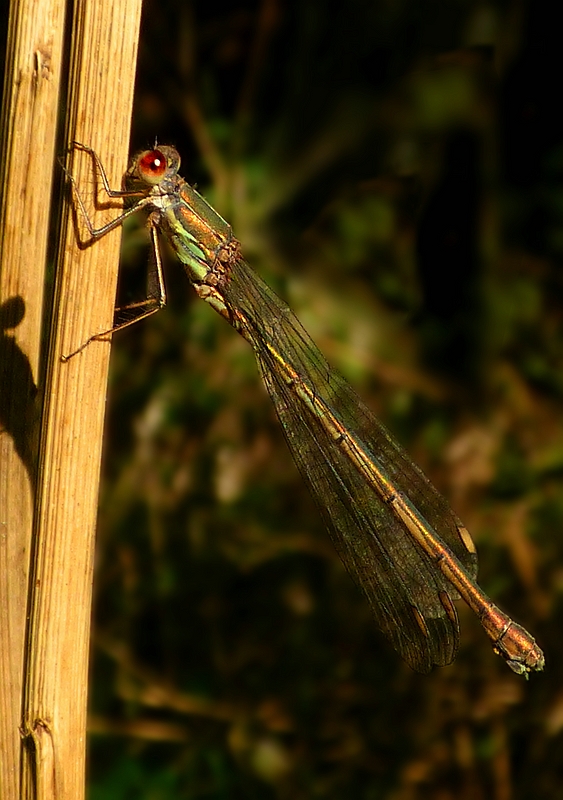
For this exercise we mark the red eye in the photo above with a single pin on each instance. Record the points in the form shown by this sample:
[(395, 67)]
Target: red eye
[(152, 165)]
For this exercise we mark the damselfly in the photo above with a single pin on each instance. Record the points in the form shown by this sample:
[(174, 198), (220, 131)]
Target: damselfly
[(397, 536)]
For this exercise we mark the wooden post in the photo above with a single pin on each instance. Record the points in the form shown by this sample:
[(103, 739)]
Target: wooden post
[(27, 160), (63, 490)]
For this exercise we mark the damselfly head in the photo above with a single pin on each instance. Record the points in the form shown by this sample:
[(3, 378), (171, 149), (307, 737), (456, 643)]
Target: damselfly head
[(151, 166)]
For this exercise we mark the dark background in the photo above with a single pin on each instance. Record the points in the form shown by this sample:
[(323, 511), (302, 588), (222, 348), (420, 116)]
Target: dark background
[(393, 170)]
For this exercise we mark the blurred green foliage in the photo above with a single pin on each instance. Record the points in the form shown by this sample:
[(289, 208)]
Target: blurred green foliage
[(394, 171)]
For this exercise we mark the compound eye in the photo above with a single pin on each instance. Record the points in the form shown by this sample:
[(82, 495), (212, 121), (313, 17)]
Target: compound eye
[(151, 166)]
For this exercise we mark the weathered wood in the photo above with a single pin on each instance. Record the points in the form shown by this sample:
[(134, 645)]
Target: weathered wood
[(58, 603), (27, 159)]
